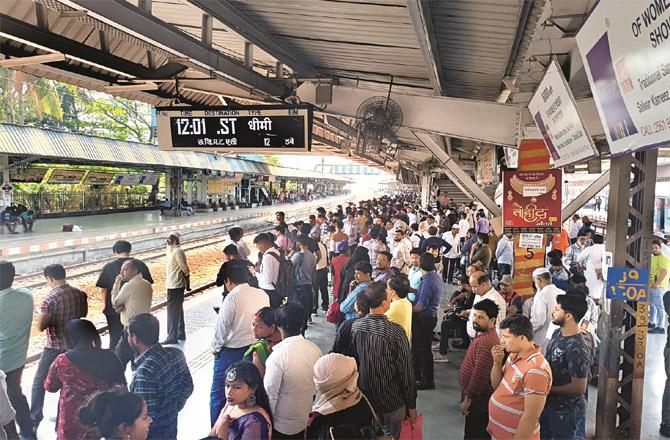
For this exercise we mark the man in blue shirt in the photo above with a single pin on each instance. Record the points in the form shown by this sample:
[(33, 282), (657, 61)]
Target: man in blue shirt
[(362, 277), (16, 317), (425, 317), (162, 377)]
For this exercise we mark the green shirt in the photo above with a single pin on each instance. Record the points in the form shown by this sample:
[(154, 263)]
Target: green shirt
[(16, 318), (658, 262), (262, 349)]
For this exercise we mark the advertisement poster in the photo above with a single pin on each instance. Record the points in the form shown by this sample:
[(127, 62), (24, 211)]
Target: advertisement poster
[(98, 178), (28, 175), (486, 166), (149, 179), (555, 113), (60, 175), (221, 186), (625, 47), (532, 201), (128, 179)]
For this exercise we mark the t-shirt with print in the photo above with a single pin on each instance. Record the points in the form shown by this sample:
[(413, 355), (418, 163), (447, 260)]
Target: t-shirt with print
[(568, 356)]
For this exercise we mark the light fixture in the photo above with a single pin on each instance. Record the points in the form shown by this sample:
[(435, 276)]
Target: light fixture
[(131, 87), (35, 59)]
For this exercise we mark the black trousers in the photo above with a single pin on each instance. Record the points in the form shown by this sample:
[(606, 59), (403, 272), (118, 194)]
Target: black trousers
[(276, 299), (115, 328), (321, 285), (450, 265), (421, 342), (175, 314), (47, 358), (504, 269), (303, 296), (123, 349), (453, 322), (19, 402), (475, 426)]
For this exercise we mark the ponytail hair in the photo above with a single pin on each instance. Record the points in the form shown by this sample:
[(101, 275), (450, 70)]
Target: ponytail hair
[(108, 410)]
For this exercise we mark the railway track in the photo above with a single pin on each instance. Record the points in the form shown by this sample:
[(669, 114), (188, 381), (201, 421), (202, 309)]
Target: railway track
[(82, 270)]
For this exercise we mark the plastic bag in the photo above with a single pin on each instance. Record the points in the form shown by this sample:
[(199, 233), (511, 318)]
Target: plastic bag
[(412, 432)]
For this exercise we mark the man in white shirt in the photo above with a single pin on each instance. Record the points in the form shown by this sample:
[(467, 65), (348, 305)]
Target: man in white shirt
[(351, 229), (544, 302), (233, 333), (130, 300), (412, 216), (591, 259), (321, 275), (236, 235), (268, 272), (574, 229), (176, 282), (401, 251), (505, 254), (289, 373), (483, 289), (463, 226), (453, 256)]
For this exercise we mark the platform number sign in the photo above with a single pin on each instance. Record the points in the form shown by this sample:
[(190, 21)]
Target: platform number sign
[(628, 284), (270, 129)]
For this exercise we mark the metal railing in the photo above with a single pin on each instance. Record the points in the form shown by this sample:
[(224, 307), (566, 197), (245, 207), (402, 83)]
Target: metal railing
[(67, 202)]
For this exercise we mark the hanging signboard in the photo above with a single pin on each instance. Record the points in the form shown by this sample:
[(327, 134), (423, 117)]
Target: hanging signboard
[(259, 129), (98, 178), (555, 113), (486, 166), (60, 175), (628, 284), (128, 179), (149, 179), (221, 186), (532, 201), (625, 46), (28, 175)]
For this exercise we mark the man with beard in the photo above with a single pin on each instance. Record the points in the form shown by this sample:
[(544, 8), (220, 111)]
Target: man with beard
[(570, 360), (474, 373), (401, 251), (573, 252)]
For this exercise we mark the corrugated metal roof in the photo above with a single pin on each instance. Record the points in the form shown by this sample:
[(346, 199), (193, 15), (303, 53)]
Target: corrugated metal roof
[(33, 141)]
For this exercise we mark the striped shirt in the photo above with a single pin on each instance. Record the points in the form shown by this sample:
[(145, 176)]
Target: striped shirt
[(521, 377), (384, 363)]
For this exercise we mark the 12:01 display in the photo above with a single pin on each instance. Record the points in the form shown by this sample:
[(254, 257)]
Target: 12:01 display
[(197, 126)]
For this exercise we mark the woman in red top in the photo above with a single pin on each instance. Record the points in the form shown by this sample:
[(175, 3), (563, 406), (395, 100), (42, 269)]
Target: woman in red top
[(338, 262), (78, 373)]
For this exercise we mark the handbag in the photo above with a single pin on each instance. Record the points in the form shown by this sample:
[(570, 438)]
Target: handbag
[(333, 315), (378, 429)]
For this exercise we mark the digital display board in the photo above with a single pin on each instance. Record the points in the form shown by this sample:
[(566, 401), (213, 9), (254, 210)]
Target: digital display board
[(258, 129)]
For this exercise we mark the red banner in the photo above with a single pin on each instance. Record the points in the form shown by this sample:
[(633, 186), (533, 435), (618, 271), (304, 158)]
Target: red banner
[(532, 201)]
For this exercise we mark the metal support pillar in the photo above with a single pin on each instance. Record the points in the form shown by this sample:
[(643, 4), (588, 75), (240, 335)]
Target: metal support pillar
[(589, 193), (248, 55), (623, 326), (279, 71), (426, 182), (4, 169), (207, 28)]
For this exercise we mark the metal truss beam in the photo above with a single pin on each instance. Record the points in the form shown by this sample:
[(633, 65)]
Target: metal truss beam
[(231, 16), (419, 11), (132, 20), (590, 192), (481, 121), (457, 175), (623, 326)]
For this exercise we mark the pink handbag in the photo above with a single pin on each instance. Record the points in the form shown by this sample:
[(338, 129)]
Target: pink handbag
[(411, 432)]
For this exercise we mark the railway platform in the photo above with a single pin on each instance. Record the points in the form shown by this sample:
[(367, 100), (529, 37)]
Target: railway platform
[(442, 419)]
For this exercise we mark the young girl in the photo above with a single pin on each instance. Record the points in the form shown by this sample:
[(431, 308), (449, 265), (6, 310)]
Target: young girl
[(246, 415), (117, 414)]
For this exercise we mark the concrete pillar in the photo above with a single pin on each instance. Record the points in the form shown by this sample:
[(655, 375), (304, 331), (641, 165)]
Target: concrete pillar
[(248, 55), (425, 182), (168, 181)]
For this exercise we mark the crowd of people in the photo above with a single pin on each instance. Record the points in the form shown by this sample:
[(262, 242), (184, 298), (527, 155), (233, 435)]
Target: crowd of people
[(14, 215), (404, 286)]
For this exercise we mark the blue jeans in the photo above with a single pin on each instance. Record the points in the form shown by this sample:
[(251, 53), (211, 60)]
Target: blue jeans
[(559, 424), (657, 312), (217, 395), (581, 424)]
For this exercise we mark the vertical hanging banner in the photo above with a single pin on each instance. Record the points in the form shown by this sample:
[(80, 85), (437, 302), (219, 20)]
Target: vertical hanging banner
[(532, 201), (555, 113), (625, 46)]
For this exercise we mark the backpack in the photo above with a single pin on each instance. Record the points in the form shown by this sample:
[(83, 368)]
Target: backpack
[(286, 279)]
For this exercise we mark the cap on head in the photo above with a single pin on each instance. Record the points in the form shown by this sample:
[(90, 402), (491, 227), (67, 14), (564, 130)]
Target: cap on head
[(540, 271), (174, 234)]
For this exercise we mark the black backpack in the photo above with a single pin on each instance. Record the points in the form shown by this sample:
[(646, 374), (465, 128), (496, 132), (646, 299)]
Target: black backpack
[(286, 279)]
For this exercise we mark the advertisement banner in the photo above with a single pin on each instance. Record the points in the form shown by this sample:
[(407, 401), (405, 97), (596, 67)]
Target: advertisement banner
[(486, 166), (625, 47), (98, 178), (128, 179), (526, 260), (555, 113), (60, 175), (221, 186), (532, 201), (150, 179), (28, 175)]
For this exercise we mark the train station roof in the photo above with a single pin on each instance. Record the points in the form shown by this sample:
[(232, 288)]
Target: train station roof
[(52, 144), (461, 72)]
